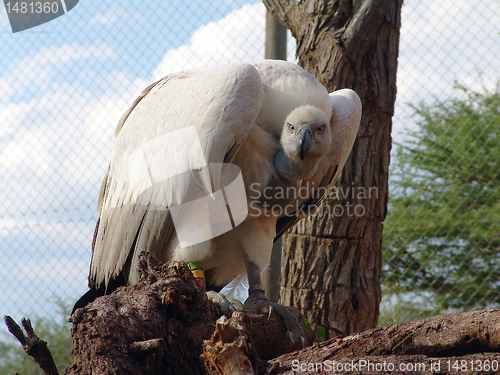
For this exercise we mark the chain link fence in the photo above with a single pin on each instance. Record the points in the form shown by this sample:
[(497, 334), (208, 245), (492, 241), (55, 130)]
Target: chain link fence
[(65, 84), (442, 233)]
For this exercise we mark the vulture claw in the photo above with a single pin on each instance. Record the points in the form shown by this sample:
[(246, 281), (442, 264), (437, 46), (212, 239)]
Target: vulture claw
[(258, 303), (227, 307), (291, 323), (303, 341)]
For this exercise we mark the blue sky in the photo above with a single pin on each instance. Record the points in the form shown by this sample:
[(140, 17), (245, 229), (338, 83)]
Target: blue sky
[(63, 88), (65, 84)]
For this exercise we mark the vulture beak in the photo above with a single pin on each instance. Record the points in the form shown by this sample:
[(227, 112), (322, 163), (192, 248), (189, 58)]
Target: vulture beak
[(305, 140)]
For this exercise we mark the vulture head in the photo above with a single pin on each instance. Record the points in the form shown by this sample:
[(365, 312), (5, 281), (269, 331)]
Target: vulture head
[(305, 139)]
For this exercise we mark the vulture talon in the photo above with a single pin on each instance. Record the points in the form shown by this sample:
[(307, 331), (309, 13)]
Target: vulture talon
[(226, 307), (291, 323), (303, 341), (257, 303)]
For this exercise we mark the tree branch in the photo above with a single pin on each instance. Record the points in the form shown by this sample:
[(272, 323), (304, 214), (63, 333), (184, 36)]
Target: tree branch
[(442, 335), (361, 31), (285, 11), (32, 345)]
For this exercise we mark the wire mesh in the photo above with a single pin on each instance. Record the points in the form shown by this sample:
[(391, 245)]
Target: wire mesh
[(65, 84), (441, 233)]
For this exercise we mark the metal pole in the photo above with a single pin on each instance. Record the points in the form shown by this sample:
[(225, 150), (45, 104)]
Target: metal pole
[(275, 49), (275, 39)]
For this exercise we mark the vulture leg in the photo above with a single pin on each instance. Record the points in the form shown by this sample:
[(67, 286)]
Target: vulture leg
[(257, 302)]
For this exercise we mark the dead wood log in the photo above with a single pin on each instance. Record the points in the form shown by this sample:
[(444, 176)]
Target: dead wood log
[(166, 325), (159, 325), (155, 327), (440, 344), (229, 351), (240, 345)]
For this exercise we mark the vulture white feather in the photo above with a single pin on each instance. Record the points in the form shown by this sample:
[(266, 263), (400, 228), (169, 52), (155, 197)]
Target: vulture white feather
[(271, 119)]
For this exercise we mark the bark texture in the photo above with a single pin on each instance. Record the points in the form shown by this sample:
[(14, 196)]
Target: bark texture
[(427, 346), (166, 325), (159, 326), (155, 327), (332, 260)]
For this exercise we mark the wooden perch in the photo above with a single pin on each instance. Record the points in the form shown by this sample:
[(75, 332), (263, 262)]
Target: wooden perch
[(160, 325), (435, 341), (229, 351), (166, 325), (32, 345)]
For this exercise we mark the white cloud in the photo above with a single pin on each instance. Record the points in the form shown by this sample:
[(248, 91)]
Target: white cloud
[(56, 270), (4, 21), (54, 148), (114, 15), (38, 72), (240, 36), (62, 235), (237, 37), (90, 162), (47, 259), (66, 53), (7, 91), (443, 42), (10, 118), (54, 152)]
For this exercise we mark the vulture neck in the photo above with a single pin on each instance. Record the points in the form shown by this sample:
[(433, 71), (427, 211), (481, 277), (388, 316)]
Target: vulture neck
[(292, 169)]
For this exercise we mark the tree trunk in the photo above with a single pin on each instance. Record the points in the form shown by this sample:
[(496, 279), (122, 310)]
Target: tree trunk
[(332, 260)]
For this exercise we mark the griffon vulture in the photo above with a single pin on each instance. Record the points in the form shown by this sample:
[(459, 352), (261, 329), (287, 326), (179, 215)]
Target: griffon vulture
[(212, 165)]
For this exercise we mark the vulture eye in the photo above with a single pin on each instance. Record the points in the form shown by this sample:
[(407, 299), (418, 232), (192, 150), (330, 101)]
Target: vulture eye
[(291, 128), (321, 129)]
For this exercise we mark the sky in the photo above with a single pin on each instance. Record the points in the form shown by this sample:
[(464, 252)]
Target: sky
[(65, 84)]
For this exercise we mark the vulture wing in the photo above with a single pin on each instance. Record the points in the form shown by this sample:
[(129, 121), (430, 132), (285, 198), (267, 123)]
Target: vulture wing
[(177, 126)]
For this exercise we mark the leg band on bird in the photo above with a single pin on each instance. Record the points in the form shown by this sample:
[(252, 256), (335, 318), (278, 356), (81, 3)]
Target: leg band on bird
[(198, 273)]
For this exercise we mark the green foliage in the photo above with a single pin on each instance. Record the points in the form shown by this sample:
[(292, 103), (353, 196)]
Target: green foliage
[(442, 233), (319, 333), (57, 334), (400, 308)]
